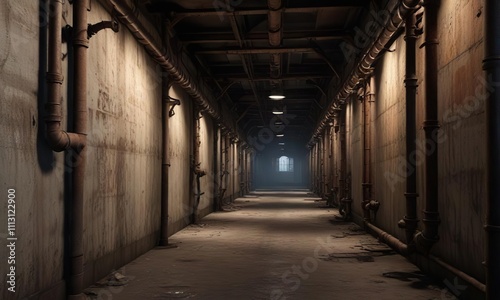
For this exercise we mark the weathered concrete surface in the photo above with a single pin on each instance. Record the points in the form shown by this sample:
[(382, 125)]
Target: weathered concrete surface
[(122, 187), (462, 90), (462, 156), (181, 191), (278, 246), (27, 164)]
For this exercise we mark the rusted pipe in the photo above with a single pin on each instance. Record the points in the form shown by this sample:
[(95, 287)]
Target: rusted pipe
[(462, 275), (58, 139), (399, 11), (275, 22), (345, 208), (491, 65), (392, 241), (429, 236), (80, 46), (411, 219), (367, 181), (196, 89), (165, 116), (93, 29)]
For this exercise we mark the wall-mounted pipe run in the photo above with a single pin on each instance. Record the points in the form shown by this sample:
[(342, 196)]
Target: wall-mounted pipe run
[(80, 46), (399, 12), (491, 65), (410, 220), (197, 90), (58, 139)]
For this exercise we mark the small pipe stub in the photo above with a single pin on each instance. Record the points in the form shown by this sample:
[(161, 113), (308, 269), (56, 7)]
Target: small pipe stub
[(93, 29), (174, 102)]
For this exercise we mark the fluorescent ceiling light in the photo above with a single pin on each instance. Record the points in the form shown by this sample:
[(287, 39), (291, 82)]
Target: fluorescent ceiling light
[(277, 112), (280, 135), (276, 97), (282, 144)]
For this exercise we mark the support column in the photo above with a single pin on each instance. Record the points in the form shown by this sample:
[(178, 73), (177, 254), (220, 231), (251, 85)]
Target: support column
[(491, 65)]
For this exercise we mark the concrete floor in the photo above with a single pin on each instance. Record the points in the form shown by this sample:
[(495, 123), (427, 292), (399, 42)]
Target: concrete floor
[(271, 246)]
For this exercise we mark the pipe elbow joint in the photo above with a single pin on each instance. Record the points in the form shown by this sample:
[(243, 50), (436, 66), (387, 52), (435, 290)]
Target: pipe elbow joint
[(424, 244), (58, 140), (372, 205)]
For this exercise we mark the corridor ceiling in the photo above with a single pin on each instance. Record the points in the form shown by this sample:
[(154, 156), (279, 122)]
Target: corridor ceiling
[(247, 49)]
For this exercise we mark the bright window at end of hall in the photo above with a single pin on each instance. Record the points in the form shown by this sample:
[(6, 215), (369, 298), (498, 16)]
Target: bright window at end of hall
[(285, 164)]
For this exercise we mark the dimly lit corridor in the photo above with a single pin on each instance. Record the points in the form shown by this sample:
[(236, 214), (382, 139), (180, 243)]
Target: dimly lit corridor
[(272, 245), (213, 149)]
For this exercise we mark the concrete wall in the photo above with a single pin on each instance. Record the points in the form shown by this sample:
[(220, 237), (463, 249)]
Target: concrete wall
[(123, 171), (207, 154), (462, 92), (181, 188), (28, 166), (461, 150), (124, 151)]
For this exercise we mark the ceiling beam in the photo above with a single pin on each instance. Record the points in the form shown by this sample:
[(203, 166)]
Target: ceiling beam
[(284, 78), (206, 38), (311, 6), (257, 51)]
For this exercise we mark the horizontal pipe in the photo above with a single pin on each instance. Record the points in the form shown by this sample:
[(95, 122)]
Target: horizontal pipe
[(465, 277), (402, 248), (387, 238)]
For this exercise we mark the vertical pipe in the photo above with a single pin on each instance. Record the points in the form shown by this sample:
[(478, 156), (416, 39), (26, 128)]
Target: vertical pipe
[(321, 165), (325, 163), (336, 151), (164, 163), (367, 183), (431, 220), (215, 179), (491, 65), (80, 45), (411, 219), (343, 163), (318, 168)]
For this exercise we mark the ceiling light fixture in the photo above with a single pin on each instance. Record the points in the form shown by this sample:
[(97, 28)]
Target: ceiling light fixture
[(277, 111), (280, 135), (276, 97), (282, 144), (276, 94)]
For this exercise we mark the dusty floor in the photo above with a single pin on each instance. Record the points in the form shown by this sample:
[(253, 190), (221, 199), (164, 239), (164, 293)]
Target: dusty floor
[(271, 246)]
